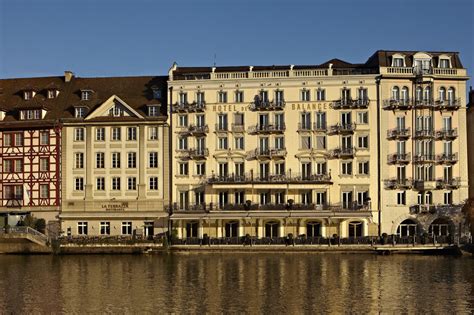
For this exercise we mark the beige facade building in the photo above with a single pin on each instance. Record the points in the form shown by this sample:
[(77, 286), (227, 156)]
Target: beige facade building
[(114, 148), (336, 148)]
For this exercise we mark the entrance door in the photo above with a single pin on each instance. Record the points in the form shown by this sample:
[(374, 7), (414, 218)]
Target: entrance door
[(271, 229), (232, 229), (313, 229), (149, 229)]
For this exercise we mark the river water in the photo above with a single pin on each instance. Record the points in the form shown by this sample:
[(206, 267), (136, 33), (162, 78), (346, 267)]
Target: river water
[(236, 283)]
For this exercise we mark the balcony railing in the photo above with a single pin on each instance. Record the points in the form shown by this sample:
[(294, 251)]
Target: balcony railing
[(341, 129), (195, 154), (304, 127), (449, 209), (398, 183), (424, 158), (398, 158), (318, 127), (342, 153), (447, 158), (261, 105), (398, 133), (397, 104), (238, 127), (351, 104), (446, 134), (222, 127), (193, 130), (287, 178), (424, 184), (266, 153), (449, 104), (267, 128), (188, 107), (425, 133), (448, 183), (425, 104)]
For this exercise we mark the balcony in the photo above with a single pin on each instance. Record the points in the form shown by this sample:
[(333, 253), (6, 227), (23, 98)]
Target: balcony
[(287, 178), (260, 105), (446, 134), (398, 158), (425, 104), (342, 153), (423, 134), (320, 127), (447, 158), (450, 104), (199, 207), (193, 130), (398, 134), (266, 129), (445, 210), (222, 128), (395, 104), (304, 127), (188, 107), (398, 183), (350, 104), (266, 154), (424, 158), (448, 183), (194, 154), (420, 184), (341, 129), (238, 127)]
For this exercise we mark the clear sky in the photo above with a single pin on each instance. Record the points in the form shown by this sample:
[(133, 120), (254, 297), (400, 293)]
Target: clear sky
[(144, 37)]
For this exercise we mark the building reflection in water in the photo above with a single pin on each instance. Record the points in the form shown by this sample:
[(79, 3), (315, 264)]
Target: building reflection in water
[(246, 282)]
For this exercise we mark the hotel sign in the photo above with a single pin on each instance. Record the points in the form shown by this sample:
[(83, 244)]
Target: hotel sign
[(294, 106), (115, 206)]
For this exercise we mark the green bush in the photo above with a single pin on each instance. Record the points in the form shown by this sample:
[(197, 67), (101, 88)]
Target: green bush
[(40, 225)]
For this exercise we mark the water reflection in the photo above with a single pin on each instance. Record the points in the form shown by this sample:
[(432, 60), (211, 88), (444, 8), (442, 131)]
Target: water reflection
[(215, 283)]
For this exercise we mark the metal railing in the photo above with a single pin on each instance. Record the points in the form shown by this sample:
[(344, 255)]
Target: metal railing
[(448, 183), (266, 153), (26, 230), (267, 105), (447, 158), (398, 183), (340, 153), (425, 133), (288, 177), (342, 128), (349, 103), (423, 158), (394, 104), (398, 158), (398, 133), (446, 133), (267, 128)]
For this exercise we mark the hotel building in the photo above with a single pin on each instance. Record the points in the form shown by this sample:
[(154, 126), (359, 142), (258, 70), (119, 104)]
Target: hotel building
[(115, 165), (335, 148)]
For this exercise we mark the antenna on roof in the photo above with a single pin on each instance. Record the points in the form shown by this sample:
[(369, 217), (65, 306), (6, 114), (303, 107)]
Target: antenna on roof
[(215, 56)]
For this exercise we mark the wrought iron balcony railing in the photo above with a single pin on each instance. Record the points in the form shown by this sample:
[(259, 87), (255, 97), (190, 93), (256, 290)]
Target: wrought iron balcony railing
[(449, 104), (193, 130), (423, 158), (188, 107), (195, 154), (424, 133), (341, 153), (397, 104), (238, 127), (398, 183), (287, 178), (448, 209), (342, 129), (448, 183), (446, 134), (262, 105), (398, 133), (398, 158), (319, 127), (267, 128), (447, 158), (266, 153)]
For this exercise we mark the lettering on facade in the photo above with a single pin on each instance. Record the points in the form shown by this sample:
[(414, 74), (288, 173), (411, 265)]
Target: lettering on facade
[(307, 106), (115, 206), (294, 106)]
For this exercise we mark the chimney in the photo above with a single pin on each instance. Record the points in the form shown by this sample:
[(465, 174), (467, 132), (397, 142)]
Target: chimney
[(471, 97), (68, 75)]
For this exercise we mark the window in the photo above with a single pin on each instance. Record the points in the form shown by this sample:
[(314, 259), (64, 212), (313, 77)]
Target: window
[(305, 95), (182, 143), (131, 183), (152, 133), (131, 133), (100, 160), (239, 143), (280, 168), (18, 139), (79, 183), (44, 191), (279, 97), (346, 199), (82, 228), (115, 183), (239, 168), (305, 142), (116, 160), (222, 143), (8, 166), (104, 228), (18, 165), (442, 94), (44, 164), (27, 95), (153, 110), (200, 98), (320, 121), (363, 94), (363, 142), (362, 198), (183, 168), (100, 134), (153, 159), (30, 114), (444, 63), (200, 169), (200, 120), (346, 168), (79, 112), (79, 160), (7, 139), (320, 94), (153, 183), (306, 197), (221, 122), (363, 118), (85, 95), (320, 142), (223, 169), (448, 197), (239, 96), (44, 138), (397, 62), (364, 168), (345, 95), (401, 198), (183, 98), (100, 183), (396, 93), (183, 120), (78, 134), (279, 143), (305, 121), (116, 111), (222, 97), (116, 133), (127, 228), (132, 160), (321, 168)]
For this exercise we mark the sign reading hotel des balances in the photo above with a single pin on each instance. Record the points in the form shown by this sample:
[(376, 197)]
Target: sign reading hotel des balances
[(117, 206), (294, 106)]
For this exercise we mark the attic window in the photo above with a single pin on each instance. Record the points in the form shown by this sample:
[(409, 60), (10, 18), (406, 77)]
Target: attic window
[(153, 110), (30, 114), (52, 93), (116, 111), (156, 93), (398, 62), (28, 95), (86, 95), (444, 63), (79, 112)]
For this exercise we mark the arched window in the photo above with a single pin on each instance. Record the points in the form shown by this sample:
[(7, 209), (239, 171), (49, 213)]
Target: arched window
[(271, 229), (192, 229), (313, 229), (427, 94), (232, 229), (355, 229), (395, 93), (451, 95), (428, 198), (442, 94), (405, 95), (407, 228), (440, 227), (419, 94)]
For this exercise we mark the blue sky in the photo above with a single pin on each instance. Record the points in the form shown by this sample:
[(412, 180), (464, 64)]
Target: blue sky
[(144, 37)]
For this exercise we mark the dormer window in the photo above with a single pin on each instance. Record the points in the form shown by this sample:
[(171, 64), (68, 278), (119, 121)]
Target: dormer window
[(30, 114), (52, 94), (86, 95), (156, 93), (2, 114), (28, 95), (398, 60), (153, 110), (79, 112), (116, 111), (444, 63)]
